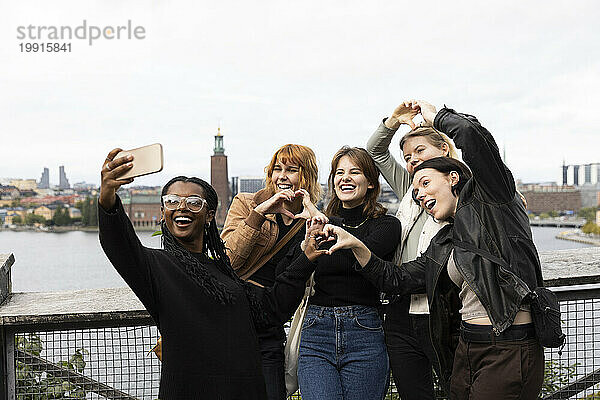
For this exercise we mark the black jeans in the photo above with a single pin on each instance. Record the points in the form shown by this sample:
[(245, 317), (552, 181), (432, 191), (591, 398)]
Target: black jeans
[(410, 351), (271, 344)]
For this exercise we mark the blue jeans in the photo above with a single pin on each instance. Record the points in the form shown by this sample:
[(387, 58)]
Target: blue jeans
[(342, 354)]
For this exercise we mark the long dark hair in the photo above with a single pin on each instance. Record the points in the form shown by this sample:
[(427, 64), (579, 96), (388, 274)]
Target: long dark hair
[(363, 160), (212, 244), (446, 165)]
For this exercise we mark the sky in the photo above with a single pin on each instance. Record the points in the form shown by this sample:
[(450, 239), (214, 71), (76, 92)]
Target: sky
[(322, 74)]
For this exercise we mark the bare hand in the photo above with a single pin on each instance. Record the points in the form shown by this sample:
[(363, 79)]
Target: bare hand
[(312, 251), (276, 204), (403, 114), (428, 112), (343, 239), (313, 225), (309, 210), (111, 170)]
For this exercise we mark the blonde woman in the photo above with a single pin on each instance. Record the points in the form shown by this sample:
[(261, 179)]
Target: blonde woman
[(407, 318)]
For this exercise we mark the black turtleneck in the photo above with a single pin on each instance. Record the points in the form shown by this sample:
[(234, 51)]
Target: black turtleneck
[(336, 281)]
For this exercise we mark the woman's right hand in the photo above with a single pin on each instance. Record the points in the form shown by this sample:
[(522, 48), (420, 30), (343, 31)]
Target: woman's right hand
[(276, 204), (403, 114), (111, 169)]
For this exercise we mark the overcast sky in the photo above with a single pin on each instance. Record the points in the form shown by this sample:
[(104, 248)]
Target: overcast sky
[(322, 74)]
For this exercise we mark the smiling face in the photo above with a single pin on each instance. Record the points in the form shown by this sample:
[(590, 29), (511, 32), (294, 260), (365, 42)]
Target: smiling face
[(417, 149), (433, 190), (350, 183), (186, 226), (286, 176)]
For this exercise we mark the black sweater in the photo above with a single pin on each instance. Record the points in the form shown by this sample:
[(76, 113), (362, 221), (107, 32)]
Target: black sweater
[(210, 350), (336, 281)]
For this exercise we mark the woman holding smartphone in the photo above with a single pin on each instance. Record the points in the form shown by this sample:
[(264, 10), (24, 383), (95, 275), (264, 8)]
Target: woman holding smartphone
[(407, 317), (342, 349), (262, 233), (498, 355), (201, 307)]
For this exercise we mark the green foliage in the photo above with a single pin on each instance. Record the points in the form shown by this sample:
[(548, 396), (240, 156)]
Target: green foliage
[(31, 219), (556, 375), (89, 211), (38, 385), (553, 214), (17, 220), (544, 215), (61, 217), (589, 213), (590, 227)]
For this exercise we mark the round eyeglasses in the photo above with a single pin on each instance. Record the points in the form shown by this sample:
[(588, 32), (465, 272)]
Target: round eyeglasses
[(193, 203)]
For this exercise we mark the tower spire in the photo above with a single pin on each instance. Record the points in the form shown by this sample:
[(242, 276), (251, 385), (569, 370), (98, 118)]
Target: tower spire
[(219, 149)]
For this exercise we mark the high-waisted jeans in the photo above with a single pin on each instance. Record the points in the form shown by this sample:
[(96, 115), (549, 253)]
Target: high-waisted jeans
[(342, 354)]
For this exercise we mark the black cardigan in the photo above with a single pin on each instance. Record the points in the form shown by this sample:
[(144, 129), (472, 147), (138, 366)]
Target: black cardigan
[(210, 350)]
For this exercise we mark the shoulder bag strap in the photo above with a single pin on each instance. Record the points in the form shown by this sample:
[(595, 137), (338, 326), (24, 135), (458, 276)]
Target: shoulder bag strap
[(297, 226)]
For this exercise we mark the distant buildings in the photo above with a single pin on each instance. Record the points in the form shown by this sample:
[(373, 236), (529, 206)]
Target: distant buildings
[(24, 184), (63, 182), (246, 184), (44, 180), (582, 174), (586, 178)]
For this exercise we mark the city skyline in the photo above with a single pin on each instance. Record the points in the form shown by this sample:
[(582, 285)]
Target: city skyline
[(323, 175), (320, 74)]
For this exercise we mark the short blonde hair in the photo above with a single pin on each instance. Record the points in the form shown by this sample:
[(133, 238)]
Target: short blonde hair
[(305, 158)]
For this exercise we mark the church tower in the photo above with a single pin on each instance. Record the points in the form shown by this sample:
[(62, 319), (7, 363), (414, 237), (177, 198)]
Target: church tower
[(219, 178)]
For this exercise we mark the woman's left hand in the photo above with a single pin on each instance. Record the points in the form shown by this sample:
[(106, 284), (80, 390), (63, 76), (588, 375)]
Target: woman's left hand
[(344, 240), (428, 112)]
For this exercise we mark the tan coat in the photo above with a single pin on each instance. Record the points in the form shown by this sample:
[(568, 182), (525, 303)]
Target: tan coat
[(247, 234)]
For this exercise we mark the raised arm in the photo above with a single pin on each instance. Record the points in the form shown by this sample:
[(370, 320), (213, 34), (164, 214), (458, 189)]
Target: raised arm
[(479, 151), (117, 236), (379, 143), (387, 277)]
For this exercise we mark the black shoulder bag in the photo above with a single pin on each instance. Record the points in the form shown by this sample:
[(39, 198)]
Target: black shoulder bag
[(545, 310)]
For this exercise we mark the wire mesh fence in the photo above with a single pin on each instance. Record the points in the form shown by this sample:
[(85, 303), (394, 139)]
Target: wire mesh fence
[(87, 363), (576, 371), (115, 362)]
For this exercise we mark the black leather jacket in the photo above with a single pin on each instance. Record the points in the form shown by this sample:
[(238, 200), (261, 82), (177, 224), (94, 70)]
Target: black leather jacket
[(490, 224)]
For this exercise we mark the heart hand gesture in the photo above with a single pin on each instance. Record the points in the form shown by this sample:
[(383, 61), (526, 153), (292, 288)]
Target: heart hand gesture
[(403, 114)]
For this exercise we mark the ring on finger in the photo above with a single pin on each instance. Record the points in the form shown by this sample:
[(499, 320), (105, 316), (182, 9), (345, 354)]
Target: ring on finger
[(107, 166)]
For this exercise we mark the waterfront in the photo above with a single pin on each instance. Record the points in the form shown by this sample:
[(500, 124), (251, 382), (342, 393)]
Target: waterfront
[(74, 260)]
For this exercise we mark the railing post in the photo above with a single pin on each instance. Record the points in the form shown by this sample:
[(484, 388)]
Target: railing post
[(6, 261), (7, 339)]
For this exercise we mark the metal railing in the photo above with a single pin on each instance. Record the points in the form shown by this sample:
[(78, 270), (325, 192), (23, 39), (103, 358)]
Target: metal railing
[(94, 344)]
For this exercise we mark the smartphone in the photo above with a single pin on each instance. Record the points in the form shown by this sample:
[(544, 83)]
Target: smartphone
[(146, 160)]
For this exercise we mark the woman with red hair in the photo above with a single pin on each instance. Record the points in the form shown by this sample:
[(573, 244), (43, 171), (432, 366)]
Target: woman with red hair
[(262, 234)]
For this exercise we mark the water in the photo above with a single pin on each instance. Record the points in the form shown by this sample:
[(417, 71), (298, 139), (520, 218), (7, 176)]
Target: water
[(75, 260), (48, 262)]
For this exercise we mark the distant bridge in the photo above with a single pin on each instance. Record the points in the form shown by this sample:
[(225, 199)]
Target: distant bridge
[(570, 223)]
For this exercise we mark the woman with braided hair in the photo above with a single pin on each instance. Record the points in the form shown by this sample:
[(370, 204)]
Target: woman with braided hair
[(208, 316)]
